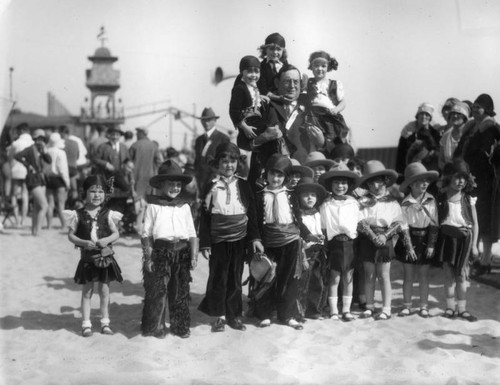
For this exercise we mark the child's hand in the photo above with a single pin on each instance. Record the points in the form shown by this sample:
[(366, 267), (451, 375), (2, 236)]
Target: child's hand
[(412, 256), (265, 99), (148, 265), (206, 253), (333, 111), (89, 245), (305, 264), (100, 244), (249, 131), (429, 253), (257, 246), (475, 251), (380, 240), (313, 238)]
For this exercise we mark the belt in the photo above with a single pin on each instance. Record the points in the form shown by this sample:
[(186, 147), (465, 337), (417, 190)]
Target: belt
[(418, 232), (379, 229), (170, 245)]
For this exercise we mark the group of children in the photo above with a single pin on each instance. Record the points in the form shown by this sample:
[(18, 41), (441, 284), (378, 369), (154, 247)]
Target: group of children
[(306, 233)]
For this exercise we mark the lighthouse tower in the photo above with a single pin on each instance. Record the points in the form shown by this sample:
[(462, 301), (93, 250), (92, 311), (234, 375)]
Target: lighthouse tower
[(103, 81)]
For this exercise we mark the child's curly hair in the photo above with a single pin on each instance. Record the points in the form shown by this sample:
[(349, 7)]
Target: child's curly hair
[(458, 167), (333, 64)]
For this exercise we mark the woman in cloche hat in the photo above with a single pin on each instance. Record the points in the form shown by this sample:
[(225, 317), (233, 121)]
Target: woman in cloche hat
[(381, 220), (420, 212), (170, 249)]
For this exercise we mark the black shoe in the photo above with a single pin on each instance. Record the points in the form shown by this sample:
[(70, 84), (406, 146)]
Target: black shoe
[(184, 335), (218, 326), (237, 324)]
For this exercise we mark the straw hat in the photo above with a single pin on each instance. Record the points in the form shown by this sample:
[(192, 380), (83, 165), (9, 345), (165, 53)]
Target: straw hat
[(169, 170), (307, 184), (415, 171), (375, 168), (262, 268), (317, 158), (302, 170), (338, 170)]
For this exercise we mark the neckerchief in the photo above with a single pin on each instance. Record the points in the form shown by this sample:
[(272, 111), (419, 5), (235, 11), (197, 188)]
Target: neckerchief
[(165, 201)]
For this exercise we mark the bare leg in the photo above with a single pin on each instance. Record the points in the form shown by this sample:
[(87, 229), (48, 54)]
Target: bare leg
[(50, 207), (104, 301), (423, 285), (384, 275), (87, 291), (40, 209), (61, 197)]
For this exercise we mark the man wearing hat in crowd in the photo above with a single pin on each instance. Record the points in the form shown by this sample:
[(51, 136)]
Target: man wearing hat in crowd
[(170, 250), (204, 147)]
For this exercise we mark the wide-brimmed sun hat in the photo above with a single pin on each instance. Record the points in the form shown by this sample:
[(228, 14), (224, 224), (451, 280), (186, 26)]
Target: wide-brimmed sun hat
[(415, 171), (375, 168), (307, 184), (169, 170), (317, 158), (338, 170), (302, 170)]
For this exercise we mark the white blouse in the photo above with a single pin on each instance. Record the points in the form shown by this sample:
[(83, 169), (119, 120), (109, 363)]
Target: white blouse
[(277, 208), (224, 197), (383, 214), (72, 220), (415, 214), (455, 217), (170, 223), (340, 217)]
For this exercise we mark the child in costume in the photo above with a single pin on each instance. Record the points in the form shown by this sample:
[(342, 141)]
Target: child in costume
[(281, 231), (340, 214), (93, 228), (458, 235), (170, 250), (312, 285), (381, 219), (420, 212), (326, 98), (228, 223), (297, 172), (318, 163), (274, 57)]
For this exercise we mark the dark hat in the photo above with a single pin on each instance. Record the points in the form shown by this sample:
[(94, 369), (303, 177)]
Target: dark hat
[(338, 170), (342, 151), (143, 129), (485, 101), (226, 149), (415, 171), (375, 168), (307, 184), (302, 170), (169, 170), (276, 39), (208, 114), (457, 166), (317, 158), (249, 61), (115, 129), (280, 163)]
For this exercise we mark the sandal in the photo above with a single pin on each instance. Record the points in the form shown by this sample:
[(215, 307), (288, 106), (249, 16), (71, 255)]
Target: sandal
[(368, 313), (106, 330), (467, 316), (86, 332), (347, 317), (449, 313), (405, 312), (265, 323), (334, 317), (382, 316), (292, 322), (424, 313)]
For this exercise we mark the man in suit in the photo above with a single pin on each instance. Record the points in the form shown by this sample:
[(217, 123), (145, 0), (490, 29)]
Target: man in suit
[(205, 146)]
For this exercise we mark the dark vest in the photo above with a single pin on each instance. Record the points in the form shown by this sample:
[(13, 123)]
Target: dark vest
[(84, 225), (444, 208)]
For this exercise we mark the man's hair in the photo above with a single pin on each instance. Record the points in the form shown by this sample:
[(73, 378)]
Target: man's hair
[(286, 68)]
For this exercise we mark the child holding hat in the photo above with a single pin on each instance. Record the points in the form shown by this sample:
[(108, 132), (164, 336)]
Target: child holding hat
[(381, 219), (228, 224), (274, 57), (281, 230), (312, 285), (458, 235), (170, 250), (420, 212), (326, 98), (340, 214)]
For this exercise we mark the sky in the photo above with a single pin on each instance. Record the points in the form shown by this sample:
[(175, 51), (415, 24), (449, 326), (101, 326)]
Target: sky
[(392, 54)]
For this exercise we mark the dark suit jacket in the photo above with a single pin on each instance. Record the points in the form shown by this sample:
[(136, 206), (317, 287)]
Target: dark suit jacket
[(267, 77), (106, 154), (203, 170)]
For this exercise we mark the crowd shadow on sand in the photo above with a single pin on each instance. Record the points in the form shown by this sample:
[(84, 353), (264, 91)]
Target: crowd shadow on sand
[(483, 344)]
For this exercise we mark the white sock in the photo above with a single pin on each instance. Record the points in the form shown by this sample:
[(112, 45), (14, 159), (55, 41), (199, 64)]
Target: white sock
[(105, 322), (450, 303), (86, 324), (332, 303), (461, 305), (346, 303), (386, 310)]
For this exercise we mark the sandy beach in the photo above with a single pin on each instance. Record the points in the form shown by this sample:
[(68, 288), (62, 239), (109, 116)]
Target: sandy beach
[(41, 342)]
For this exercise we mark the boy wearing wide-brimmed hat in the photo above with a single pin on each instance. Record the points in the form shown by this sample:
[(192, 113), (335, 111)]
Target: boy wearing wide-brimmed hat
[(340, 214), (420, 212), (170, 250), (297, 172), (228, 226), (381, 219), (312, 285), (318, 162), (281, 230)]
